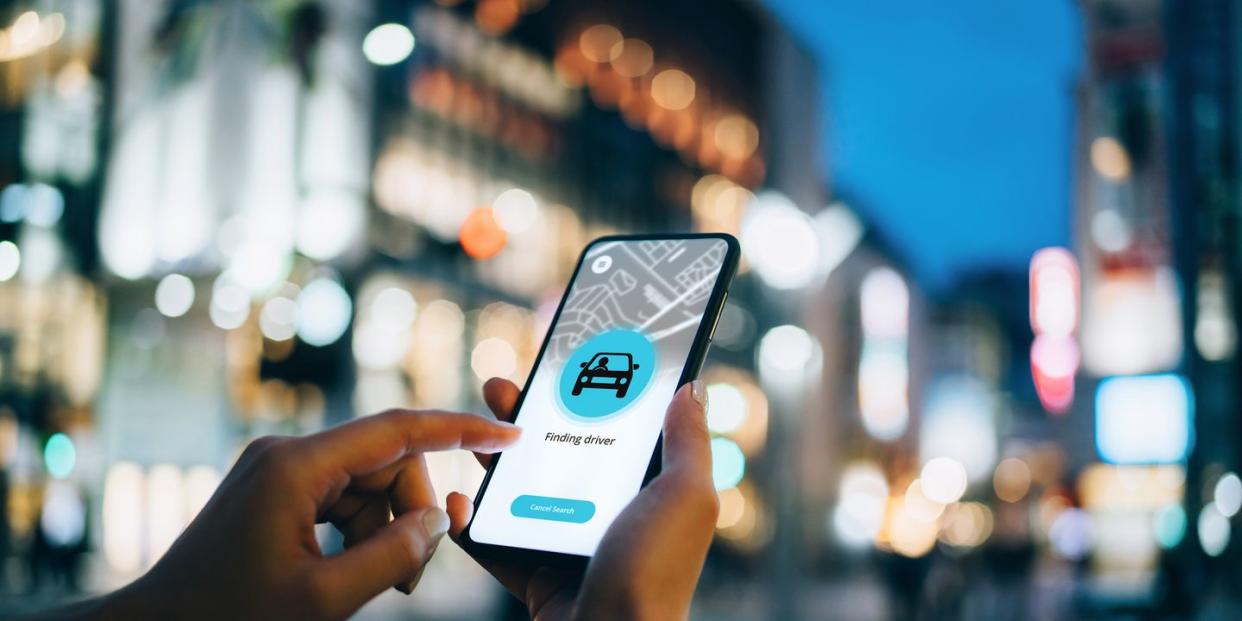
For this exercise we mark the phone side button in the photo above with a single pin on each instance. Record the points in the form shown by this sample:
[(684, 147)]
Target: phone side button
[(554, 509), (716, 323)]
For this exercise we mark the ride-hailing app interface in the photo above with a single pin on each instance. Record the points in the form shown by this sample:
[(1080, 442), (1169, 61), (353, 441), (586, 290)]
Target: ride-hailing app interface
[(595, 405)]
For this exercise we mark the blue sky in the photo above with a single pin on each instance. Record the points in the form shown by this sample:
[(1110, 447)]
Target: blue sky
[(949, 123)]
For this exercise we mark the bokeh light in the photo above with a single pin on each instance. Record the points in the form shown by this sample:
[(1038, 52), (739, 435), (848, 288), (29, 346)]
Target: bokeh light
[(726, 408), (787, 349), (63, 519), (600, 43), (840, 232), (780, 242), (123, 495), (672, 89), (1227, 494), (388, 44), (482, 237), (329, 223), (736, 136), (1011, 480), (631, 58), (323, 312), (493, 357), (732, 508), (10, 260), (230, 304), (966, 525), (1214, 530), (1071, 534), (728, 463), (515, 211), (60, 456), (278, 318), (1143, 419), (1110, 159), (943, 480), (174, 295), (861, 503), (1169, 526)]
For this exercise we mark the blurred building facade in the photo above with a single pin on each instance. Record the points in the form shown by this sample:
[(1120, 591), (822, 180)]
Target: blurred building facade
[(1157, 223)]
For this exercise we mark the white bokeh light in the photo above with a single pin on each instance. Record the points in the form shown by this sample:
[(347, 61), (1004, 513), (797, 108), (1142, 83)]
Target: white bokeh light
[(329, 223), (944, 480), (43, 253), (515, 211), (726, 408), (323, 312), (1228, 494), (959, 423), (259, 266), (394, 308), (839, 232), (781, 242), (10, 260), (493, 357), (1214, 530), (861, 503), (885, 301), (174, 295), (388, 44), (786, 349), (230, 304), (277, 319)]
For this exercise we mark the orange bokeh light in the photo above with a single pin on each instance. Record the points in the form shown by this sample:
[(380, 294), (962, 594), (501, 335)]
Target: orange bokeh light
[(481, 236), (496, 17)]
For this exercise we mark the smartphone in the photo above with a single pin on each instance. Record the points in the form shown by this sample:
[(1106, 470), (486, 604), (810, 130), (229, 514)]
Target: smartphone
[(633, 326)]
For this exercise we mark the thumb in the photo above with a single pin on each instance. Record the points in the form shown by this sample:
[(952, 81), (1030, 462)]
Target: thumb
[(687, 445), (394, 555)]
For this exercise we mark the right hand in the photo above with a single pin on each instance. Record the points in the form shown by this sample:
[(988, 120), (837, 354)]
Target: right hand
[(649, 561)]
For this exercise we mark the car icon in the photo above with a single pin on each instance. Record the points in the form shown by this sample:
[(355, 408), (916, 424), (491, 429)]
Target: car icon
[(606, 371)]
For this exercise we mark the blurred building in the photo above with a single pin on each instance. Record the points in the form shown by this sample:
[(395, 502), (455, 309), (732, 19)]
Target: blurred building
[(1157, 236), (1204, 189)]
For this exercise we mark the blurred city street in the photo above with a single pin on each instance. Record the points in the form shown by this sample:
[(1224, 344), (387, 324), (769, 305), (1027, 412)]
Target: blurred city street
[(980, 361)]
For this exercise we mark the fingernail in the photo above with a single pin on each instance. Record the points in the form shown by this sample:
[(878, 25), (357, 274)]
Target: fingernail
[(408, 587), (435, 523), (698, 392)]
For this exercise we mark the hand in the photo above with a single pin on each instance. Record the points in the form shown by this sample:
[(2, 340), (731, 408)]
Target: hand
[(648, 563), (252, 553)]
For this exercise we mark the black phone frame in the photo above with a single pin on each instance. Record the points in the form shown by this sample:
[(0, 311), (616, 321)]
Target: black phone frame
[(690, 372)]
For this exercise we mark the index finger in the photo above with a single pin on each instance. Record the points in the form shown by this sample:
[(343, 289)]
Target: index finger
[(501, 396), (368, 444)]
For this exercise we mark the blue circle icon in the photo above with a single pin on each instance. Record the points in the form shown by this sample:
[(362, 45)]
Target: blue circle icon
[(606, 373)]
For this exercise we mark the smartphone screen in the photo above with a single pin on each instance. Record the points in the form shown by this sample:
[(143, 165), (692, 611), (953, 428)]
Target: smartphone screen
[(594, 406)]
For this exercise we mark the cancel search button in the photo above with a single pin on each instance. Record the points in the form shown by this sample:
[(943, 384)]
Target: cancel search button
[(555, 509)]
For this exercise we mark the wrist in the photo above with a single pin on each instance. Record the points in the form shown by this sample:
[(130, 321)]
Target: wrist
[(623, 604), (136, 600), (124, 603)]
